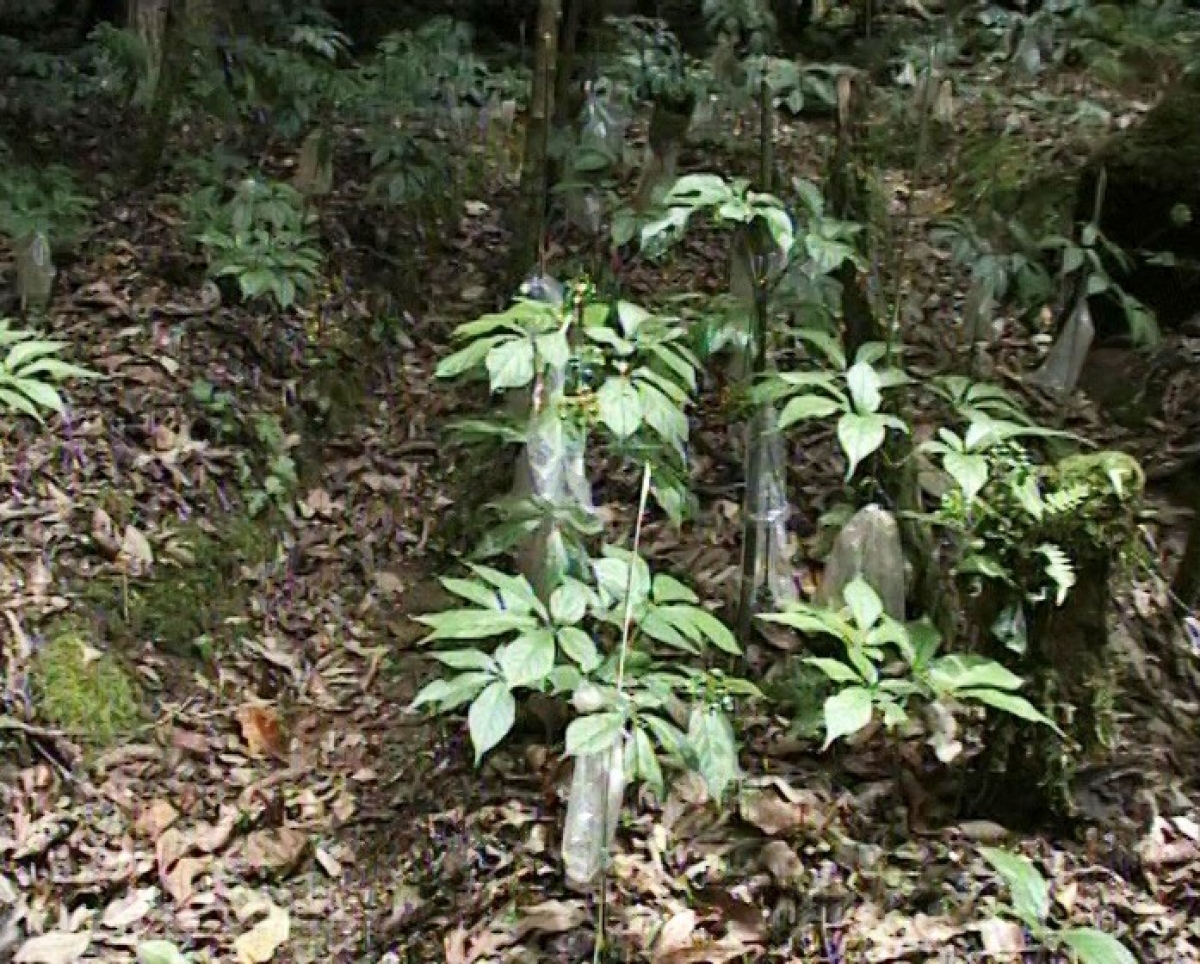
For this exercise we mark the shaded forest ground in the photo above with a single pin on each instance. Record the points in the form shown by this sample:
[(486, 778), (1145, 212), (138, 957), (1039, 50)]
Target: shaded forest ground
[(273, 776)]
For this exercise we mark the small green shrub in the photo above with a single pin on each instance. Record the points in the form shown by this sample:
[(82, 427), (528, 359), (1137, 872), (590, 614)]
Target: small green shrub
[(261, 236), (572, 648), (43, 200), (1031, 906), (82, 690), (29, 372)]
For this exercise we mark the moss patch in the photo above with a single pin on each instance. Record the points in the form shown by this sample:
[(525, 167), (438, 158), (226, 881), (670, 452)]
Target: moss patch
[(83, 690), (183, 609)]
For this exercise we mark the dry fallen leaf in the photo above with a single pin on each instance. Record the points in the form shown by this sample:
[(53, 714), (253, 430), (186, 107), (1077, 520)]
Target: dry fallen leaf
[(328, 863), (155, 817), (551, 917), (135, 547), (782, 862), (179, 882), (774, 815), (169, 847), (1001, 936), (262, 731), (211, 837), (128, 910), (259, 944), (57, 947), (104, 534), (677, 934), (276, 851)]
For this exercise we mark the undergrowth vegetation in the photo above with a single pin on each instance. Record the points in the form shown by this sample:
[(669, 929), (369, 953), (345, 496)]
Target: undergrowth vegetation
[(705, 291)]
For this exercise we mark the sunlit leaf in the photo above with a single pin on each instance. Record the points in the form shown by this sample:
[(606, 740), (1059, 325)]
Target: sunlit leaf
[(491, 717)]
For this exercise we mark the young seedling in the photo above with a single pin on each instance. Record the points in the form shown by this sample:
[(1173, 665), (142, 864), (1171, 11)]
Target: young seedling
[(1031, 906)]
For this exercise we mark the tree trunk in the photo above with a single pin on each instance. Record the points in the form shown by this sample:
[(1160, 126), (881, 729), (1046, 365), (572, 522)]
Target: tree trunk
[(1029, 768), (171, 49), (1187, 579), (529, 233), (848, 200)]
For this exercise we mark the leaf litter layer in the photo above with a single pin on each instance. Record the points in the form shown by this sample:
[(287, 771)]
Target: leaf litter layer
[(275, 802)]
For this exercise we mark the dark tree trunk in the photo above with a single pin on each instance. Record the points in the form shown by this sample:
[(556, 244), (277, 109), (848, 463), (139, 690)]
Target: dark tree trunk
[(1028, 768), (848, 200)]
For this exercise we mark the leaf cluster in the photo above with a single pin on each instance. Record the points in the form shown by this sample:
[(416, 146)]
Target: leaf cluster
[(572, 647), (872, 683)]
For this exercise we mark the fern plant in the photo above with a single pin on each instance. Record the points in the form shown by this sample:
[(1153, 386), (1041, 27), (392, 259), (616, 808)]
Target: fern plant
[(30, 371)]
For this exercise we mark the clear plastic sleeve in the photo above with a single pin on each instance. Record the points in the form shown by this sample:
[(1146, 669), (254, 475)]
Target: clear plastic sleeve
[(35, 272), (771, 571), (1060, 371), (593, 810), (869, 546)]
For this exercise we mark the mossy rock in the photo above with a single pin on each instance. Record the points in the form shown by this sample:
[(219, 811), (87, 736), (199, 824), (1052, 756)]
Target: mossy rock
[(1151, 202), (82, 690)]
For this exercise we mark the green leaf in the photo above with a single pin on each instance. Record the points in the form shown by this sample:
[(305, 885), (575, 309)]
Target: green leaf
[(669, 736), (836, 670), (846, 713), (552, 349), (863, 382), (490, 718), (696, 190), (715, 631), (613, 575), (1059, 569), (1010, 703), (449, 694), (668, 589), (711, 737), (569, 602), (957, 671), (859, 436), (510, 364), (1030, 893), (26, 351), (620, 406), (663, 415), (969, 471), (39, 393), (812, 620), (864, 603), (594, 732), (56, 369), (807, 406), (472, 591), (528, 659), (160, 952), (660, 624), (466, 659), (645, 762), (677, 363), (469, 357), (475, 623), (580, 647), (515, 591), (1095, 947)]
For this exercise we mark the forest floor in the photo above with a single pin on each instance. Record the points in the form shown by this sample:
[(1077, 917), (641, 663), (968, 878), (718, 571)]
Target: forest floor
[(276, 800)]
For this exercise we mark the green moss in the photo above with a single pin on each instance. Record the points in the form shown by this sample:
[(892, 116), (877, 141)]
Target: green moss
[(82, 690), (183, 605)]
